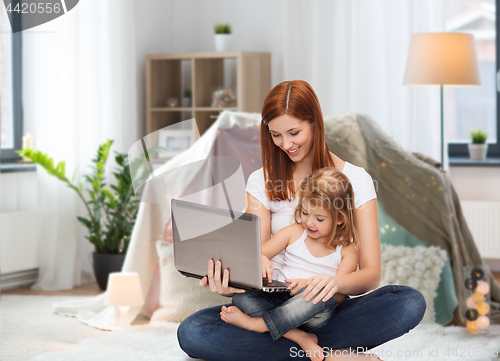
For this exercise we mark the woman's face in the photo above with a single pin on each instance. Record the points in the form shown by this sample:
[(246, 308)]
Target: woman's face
[(294, 136)]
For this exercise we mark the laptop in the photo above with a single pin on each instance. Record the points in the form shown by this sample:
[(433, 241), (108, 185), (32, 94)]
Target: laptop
[(203, 232)]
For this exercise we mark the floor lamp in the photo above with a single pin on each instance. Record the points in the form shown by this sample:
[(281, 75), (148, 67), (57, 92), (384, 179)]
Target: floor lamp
[(442, 59)]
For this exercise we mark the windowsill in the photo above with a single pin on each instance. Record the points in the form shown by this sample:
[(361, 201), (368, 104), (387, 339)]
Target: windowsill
[(17, 166), (466, 162)]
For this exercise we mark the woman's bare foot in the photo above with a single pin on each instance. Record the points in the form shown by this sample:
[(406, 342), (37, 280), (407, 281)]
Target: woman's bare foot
[(234, 316), (308, 342)]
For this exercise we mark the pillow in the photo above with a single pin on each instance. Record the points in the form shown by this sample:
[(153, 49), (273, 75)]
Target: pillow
[(180, 296), (417, 267)]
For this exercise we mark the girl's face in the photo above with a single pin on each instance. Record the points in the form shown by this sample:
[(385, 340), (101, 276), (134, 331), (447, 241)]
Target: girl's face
[(316, 220), (294, 136)]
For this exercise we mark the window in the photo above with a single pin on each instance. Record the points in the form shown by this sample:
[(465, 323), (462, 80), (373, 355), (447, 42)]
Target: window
[(471, 108), (11, 122)]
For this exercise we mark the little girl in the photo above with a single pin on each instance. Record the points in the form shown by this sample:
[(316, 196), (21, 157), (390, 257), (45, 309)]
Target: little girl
[(324, 240)]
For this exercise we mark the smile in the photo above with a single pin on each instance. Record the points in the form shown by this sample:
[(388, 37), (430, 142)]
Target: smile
[(293, 151), (310, 230)]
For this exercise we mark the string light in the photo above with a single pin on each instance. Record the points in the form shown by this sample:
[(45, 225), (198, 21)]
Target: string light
[(472, 326), (482, 287), (483, 308), (483, 322)]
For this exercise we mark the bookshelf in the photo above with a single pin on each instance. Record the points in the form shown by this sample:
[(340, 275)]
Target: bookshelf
[(247, 74)]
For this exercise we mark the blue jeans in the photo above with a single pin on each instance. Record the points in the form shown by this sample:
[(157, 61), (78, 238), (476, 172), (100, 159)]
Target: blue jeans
[(366, 321), (281, 313)]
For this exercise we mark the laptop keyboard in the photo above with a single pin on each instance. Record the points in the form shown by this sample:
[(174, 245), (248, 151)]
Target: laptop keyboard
[(274, 286)]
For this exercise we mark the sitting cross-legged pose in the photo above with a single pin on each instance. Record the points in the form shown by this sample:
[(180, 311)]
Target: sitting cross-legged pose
[(293, 146), (324, 241)]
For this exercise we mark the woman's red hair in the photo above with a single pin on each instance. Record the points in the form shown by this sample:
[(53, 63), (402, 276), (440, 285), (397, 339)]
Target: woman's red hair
[(298, 99)]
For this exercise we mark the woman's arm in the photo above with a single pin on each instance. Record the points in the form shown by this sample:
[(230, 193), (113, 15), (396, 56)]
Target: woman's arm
[(348, 265), (369, 274), (255, 207)]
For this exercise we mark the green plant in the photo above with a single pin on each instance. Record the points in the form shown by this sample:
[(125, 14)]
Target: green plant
[(222, 28), (111, 212), (187, 93), (478, 136)]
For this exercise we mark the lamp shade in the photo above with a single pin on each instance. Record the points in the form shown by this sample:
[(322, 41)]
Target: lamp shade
[(442, 59), (124, 290)]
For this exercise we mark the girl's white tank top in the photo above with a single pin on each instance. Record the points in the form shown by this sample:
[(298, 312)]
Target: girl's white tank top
[(300, 263)]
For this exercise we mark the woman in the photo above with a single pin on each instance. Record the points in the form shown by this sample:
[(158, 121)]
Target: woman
[(293, 146)]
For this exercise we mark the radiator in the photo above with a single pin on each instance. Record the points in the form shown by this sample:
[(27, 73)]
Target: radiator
[(483, 219)]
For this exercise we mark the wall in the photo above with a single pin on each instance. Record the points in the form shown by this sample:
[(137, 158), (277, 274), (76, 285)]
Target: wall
[(476, 183), (186, 26), (18, 217)]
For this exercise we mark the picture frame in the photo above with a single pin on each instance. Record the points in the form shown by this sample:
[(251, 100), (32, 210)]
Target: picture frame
[(174, 141)]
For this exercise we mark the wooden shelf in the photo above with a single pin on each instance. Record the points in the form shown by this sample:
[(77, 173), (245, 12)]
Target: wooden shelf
[(198, 109), (172, 109), (247, 74), (215, 109)]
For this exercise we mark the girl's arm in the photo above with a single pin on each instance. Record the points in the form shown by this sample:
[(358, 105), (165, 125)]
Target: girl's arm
[(369, 275), (278, 242)]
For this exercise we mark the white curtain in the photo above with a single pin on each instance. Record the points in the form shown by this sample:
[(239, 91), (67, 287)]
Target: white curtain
[(79, 88), (353, 53)]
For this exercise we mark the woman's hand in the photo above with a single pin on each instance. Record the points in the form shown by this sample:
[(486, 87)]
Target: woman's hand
[(267, 268), (296, 285), (328, 285), (213, 281)]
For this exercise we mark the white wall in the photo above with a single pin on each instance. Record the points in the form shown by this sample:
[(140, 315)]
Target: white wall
[(18, 221), (476, 183)]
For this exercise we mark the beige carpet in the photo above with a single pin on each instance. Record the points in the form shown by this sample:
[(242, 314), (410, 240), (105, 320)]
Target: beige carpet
[(29, 330)]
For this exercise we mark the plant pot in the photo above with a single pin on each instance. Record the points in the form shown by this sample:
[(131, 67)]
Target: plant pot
[(478, 151), (186, 102), (222, 42), (104, 264)]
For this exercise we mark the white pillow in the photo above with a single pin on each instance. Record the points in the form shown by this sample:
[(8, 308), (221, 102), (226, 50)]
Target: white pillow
[(180, 296), (417, 267)]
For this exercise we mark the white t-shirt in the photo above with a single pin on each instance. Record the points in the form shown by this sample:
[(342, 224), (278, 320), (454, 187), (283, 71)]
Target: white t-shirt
[(282, 211)]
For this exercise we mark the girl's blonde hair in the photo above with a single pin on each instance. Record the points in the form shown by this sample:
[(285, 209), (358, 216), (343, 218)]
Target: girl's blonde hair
[(330, 189)]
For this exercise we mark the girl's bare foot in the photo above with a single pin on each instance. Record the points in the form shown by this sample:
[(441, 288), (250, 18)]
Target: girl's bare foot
[(308, 342), (234, 316)]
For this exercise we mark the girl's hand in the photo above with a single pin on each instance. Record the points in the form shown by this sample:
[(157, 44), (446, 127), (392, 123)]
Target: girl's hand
[(267, 268), (328, 285), (213, 281), (296, 285)]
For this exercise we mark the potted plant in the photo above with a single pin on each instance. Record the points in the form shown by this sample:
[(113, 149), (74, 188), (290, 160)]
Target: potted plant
[(478, 148), (111, 212), (222, 37), (186, 98)]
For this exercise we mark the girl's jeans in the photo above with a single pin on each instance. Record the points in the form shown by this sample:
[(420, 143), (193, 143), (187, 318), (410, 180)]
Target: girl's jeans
[(365, 322), (281, 313)]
